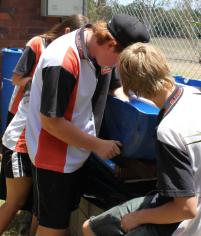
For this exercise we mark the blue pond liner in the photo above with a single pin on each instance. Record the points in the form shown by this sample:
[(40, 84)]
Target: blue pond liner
[(134, 125)]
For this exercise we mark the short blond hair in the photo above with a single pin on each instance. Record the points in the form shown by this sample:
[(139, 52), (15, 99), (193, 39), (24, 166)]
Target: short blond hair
[(144, 70)]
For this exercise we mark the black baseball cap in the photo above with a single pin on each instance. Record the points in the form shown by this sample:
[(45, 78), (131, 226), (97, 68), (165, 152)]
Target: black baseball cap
[(127, 30)]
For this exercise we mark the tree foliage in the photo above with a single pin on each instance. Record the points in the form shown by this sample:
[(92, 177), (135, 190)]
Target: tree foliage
[(161, 18), (98, 10)]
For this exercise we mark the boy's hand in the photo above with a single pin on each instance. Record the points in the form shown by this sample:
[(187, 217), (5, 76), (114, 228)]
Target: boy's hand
[(107, 149), (130, 221)]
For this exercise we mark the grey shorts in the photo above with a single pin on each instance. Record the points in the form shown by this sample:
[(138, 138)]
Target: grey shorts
[(108, 223)]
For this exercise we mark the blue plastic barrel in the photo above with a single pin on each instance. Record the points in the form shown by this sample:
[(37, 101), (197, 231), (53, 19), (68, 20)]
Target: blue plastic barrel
[(10, 57)]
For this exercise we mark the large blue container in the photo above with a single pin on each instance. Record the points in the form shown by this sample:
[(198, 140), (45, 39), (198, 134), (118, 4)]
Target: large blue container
[(134, 125), (10, 57)]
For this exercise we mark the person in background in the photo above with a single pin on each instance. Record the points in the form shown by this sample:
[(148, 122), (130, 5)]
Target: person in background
[(21, 76), (67, 101), (16, 164), (175, 209)]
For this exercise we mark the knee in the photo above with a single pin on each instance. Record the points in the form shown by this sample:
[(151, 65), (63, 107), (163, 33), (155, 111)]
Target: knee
[(15, 205), (86, 229)]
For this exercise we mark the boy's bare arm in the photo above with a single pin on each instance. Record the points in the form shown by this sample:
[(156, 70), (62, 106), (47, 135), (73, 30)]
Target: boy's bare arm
[(179, 209), (72, 135), (19, 80)]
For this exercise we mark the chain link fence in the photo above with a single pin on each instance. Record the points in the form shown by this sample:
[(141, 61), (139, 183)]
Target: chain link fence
[(175, 27)]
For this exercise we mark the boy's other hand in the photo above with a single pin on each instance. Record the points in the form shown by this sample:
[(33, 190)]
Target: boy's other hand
[(107, 149)]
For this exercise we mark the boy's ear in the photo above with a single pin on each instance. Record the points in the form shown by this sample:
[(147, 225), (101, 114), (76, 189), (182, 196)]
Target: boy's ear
[(67, 30), (111, 43)]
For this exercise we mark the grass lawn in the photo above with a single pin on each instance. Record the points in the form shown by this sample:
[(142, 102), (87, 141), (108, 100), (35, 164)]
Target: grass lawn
[(183, 55)]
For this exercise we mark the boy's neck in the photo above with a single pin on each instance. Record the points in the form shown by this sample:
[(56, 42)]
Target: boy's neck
[(161, 98)]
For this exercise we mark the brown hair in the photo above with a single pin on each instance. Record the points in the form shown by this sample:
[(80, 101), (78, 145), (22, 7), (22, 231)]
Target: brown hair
[(144, 70), (73, 22), (103, 35)]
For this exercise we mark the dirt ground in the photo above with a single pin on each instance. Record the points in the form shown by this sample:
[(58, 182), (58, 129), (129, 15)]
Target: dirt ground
[(18, 227)]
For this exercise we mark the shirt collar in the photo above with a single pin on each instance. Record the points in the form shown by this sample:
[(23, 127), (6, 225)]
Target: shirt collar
[(82, 48), (80, 42), (170, 102)]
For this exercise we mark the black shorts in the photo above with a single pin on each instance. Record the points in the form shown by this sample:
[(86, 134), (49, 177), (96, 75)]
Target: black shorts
[(56, 195), (2, 184), (9, 118), (23, 168), (16, 164)]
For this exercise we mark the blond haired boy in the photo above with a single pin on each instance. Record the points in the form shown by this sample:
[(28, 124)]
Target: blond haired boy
[(175, 208)]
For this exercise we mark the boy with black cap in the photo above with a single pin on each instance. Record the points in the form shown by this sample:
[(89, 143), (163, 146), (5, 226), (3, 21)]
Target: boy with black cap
[(67, 100)]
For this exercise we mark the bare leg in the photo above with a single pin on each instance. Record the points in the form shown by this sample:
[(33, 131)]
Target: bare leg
[(86, 229), (44, 231), (34, 225), (17, 192)]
